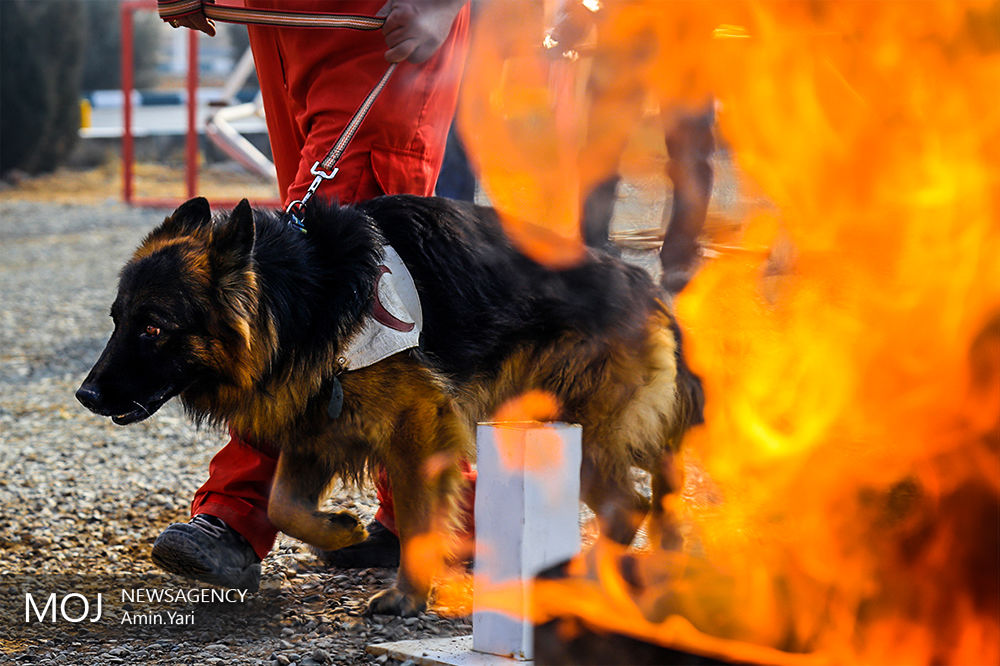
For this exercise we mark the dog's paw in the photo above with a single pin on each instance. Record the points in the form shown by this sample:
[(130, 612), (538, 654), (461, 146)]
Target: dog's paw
[(342, 520), (395, 602), (344, 529)]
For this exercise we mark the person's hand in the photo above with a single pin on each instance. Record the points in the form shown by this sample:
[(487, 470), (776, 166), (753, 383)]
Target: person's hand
[(195, 21), (414, 29)]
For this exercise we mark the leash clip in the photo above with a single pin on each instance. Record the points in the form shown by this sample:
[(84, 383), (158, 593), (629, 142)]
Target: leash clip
[(295, 214), (318, 180), (320, 174)]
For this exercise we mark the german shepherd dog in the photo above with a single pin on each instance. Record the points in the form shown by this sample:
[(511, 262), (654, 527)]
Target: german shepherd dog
[(245, 318)]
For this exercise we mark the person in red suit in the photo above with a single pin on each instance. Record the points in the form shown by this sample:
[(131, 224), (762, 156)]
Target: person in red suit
[(312, 81)]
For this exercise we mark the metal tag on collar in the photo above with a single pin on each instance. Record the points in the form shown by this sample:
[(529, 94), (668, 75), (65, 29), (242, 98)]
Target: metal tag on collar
[(336, 404), (295, 214)]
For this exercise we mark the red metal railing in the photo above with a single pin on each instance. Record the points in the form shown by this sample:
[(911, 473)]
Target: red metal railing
[(128, 10)]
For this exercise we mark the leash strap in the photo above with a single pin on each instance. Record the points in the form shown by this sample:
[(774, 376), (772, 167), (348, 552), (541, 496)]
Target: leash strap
[(326, 168), (171, 9)]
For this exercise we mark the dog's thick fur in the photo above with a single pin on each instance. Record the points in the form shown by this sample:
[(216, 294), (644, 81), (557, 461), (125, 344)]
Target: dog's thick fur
[(245, 318)]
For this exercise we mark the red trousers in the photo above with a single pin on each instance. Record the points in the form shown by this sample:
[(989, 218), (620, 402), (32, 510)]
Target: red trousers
[(312, 81)]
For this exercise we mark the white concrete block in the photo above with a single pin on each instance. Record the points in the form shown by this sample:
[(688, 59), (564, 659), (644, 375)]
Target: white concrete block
[(527, 519), (455, 651)]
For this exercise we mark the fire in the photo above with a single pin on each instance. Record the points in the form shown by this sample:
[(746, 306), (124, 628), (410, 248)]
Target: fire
[(529, 406), (528, 155), (848, 347), (546, 448), (838, 408)]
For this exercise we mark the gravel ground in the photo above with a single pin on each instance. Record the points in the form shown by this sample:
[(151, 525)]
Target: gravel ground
[(83, 499)]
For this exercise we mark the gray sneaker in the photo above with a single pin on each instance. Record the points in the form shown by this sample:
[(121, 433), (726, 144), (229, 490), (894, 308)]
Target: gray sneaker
[(208, 550)]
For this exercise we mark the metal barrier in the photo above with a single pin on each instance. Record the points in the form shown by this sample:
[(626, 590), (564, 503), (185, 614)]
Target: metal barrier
[(128, 10)]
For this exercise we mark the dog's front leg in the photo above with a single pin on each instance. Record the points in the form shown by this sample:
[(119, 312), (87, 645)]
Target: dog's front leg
[(425, 501), (413, 507), (293, 506)]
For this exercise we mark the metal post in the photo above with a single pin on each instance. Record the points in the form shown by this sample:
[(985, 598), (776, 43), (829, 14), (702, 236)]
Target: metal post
[(127, 10), (191, 161)]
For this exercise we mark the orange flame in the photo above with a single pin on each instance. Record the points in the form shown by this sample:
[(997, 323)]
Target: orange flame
[(545, 451), (852, 440), (837, 404), (529, 406), (526, 161)]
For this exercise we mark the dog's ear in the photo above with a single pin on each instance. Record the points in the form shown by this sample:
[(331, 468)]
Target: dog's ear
[(188, 218), (233, 240)]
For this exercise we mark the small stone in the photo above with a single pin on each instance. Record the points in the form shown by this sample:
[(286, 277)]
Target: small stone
[(353, 625)]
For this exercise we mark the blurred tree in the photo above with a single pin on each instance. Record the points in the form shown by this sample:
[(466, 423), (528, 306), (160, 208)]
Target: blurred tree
[(102, 59), (39, 85)]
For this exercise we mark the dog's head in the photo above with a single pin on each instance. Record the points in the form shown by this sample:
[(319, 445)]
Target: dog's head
[(182, 313)]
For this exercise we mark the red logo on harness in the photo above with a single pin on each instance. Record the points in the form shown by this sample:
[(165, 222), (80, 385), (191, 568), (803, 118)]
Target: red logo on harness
[(382, 315)]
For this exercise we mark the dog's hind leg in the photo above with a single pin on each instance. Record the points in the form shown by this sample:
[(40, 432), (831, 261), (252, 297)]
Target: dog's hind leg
[(619, 506), (294, 501), (664, 532)]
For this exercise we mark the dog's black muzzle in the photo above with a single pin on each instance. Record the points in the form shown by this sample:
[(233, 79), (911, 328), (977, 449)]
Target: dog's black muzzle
[(90, 397), (122, 412)]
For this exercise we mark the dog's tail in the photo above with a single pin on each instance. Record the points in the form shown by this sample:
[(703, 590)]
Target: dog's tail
[(690, 395)]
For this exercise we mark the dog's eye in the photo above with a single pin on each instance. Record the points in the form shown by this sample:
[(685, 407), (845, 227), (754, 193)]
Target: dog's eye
[(152, 331)]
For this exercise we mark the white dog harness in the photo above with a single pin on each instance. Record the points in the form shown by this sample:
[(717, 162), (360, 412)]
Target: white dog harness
[(395, 321)]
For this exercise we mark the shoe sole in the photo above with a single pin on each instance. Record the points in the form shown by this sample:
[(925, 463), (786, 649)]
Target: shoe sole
[(353, 557), (174, 554)]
